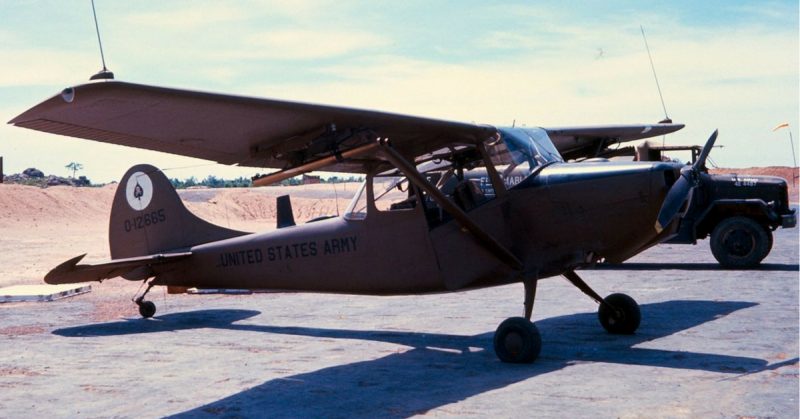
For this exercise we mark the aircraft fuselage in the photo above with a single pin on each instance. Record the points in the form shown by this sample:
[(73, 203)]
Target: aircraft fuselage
[(565, 217)]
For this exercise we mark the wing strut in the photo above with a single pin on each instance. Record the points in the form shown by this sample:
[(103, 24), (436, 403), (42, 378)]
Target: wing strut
[(497, 182), (484, 238), (314, 165)]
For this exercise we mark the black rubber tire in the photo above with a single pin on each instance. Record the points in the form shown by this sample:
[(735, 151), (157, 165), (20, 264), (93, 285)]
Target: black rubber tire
[(622, 321), (740, 243), (517, 341), (147, 309), (771, 241)]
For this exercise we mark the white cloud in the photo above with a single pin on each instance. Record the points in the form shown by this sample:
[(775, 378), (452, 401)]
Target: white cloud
[(36, 66), (298, 44), (197, 16), (772, 10)]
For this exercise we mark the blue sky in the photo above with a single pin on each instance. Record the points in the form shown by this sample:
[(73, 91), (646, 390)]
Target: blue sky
[(722, 64)]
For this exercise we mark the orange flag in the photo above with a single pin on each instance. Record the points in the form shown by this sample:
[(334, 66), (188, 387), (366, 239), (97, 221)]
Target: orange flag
[(783, 125)]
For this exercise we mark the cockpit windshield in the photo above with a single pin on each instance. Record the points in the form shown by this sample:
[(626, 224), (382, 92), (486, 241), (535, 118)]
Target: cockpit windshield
[(521, 150)]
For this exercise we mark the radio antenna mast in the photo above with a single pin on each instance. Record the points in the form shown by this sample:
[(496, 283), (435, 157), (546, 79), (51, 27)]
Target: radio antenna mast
[(103, 74), (667, 119)]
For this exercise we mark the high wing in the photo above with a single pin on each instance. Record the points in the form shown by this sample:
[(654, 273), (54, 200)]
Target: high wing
[(595, 141), (236, 130)]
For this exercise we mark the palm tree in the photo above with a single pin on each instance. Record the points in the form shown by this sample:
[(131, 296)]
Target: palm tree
[(74, 167)]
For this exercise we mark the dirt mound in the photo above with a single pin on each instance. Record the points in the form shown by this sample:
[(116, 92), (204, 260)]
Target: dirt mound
[(31, 205), (254, 209), (43, 227)]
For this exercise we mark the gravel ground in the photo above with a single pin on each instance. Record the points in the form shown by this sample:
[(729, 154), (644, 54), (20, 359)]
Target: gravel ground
[(713, 343)]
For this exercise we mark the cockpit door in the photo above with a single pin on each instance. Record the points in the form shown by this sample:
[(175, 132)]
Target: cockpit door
[(465, 259), (393, 216)]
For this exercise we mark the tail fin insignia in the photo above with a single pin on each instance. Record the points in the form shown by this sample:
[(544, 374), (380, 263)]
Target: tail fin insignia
[(139, 191)]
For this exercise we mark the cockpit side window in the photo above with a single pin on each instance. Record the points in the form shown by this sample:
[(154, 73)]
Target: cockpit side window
[(393, 193), (388, 192), (357, 210)]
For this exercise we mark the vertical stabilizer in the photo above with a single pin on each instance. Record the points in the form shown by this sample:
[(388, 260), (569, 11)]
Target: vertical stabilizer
[(148, 217)]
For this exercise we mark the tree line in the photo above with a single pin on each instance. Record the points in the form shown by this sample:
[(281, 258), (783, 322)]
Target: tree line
[(212, 181)]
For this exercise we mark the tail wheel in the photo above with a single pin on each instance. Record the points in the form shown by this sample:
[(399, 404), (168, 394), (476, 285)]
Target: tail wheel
[(740, 242), (621, 315), (517, 341)]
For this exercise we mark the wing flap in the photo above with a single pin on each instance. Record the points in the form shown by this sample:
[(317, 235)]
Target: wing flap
[(70, 272)]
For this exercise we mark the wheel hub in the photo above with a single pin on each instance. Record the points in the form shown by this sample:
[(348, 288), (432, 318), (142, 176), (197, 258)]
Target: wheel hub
[(739, 243), (514, 343), (617, 316)]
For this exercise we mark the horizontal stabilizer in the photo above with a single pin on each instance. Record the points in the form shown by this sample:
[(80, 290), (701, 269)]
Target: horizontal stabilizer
[(137, 268)]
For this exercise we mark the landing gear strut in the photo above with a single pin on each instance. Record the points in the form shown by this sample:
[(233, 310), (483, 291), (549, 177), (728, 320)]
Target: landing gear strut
[(618, 313), (517, 339), (146, 308)]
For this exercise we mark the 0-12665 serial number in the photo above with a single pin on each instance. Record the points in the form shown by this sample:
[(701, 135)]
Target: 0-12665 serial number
[(145, 220)]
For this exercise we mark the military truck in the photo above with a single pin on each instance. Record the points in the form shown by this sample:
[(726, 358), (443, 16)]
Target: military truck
[(738, 212)]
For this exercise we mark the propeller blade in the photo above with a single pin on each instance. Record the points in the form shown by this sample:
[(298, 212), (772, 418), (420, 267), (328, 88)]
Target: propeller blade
[(673, 202), (680, 191), (701, 160)]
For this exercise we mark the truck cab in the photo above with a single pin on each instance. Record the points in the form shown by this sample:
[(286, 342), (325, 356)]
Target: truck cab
[(737, 212)]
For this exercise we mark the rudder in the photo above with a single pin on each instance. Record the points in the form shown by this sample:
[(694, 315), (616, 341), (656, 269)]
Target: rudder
[(148, 217)]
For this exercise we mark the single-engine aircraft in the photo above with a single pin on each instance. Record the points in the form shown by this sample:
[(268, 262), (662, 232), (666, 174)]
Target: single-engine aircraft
[(417, 225)]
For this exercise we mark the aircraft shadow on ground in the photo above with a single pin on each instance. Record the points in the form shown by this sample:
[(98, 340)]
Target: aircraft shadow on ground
[(655, 266), (439, 369)]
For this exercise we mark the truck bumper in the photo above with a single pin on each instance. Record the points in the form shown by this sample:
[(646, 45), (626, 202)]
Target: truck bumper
[(789, 220)]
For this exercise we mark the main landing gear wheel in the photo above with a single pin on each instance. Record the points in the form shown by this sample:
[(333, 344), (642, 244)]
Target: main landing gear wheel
[(147, 309), (517, 341), (620, 315)]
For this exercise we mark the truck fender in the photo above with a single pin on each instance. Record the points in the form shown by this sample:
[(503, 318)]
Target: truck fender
[(721, 209)]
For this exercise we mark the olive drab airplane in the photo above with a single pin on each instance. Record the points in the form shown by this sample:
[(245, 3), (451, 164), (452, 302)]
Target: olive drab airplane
[(418, 224)]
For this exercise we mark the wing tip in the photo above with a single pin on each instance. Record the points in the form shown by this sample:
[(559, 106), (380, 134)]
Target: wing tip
[(17, 119)]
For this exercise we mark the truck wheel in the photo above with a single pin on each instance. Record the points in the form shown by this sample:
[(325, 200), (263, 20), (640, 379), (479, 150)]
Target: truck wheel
[(740, 242)]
